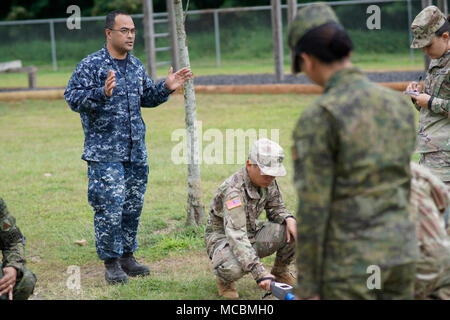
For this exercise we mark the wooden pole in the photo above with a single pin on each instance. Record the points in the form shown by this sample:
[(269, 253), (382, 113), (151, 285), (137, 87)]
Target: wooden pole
[(195, 209), (277, 39), (149, 31), (292, 12), (173, 35)]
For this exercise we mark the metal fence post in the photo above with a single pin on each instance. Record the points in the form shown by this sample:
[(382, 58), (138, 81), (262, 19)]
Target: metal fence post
[(277, 39), (52, 40), (217, 36)]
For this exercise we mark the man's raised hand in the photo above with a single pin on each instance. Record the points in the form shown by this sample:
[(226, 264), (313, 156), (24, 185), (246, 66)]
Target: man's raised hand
[(175, 80), (110, 83)]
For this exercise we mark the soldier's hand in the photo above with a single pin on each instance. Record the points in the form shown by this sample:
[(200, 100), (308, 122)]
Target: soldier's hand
[(291, 229), (413, 86), (422, 100), (8, 281), (265, 285), (110, 83)]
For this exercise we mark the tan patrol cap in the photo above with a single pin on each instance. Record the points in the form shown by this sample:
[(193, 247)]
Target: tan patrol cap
[(268, 155)]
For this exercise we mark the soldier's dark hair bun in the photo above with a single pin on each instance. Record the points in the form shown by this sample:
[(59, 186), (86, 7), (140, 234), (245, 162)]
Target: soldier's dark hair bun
[(445, 28), (328, 43)]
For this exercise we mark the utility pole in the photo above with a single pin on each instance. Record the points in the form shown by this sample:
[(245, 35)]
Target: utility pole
[(149, 31), (292, 12)]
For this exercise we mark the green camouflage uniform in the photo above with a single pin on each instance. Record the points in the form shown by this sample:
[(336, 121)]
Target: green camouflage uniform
[(433, 143), (13, 249), (235, 239), (351, 155), (429, 201)]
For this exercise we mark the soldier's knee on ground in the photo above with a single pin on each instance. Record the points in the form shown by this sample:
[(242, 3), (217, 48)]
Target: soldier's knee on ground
[(25, 286), (228, 271)]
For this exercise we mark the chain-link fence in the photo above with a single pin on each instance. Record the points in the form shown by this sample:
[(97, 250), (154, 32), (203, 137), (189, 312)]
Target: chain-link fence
[(216, 38)]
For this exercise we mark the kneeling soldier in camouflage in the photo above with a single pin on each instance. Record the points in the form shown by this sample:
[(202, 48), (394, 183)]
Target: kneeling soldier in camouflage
[(235, 239), (429, 201), (16, 281)]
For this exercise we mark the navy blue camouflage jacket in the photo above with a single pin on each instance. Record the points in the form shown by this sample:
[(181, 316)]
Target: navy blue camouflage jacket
[(113, 126)]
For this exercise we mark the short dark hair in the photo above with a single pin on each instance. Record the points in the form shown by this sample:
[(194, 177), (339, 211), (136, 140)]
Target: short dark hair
[(111, 18), (445, 28), (328, 43)]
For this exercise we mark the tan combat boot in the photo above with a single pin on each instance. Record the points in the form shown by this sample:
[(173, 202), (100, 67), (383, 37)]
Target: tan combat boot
[(227, 289), (282, 274)]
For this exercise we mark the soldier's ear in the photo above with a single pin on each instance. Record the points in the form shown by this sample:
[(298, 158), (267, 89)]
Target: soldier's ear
[(307, 62), (108, 33)]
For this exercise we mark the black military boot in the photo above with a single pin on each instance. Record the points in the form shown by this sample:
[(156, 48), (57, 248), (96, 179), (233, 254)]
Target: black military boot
[(132, 267), (113, 272)]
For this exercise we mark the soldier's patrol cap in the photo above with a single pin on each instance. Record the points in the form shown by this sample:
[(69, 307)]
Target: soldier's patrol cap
[(268, 155), (307, 19), (424, 26)]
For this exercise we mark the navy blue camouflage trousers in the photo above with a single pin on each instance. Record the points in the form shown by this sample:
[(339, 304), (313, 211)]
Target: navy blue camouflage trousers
[(116, 193)]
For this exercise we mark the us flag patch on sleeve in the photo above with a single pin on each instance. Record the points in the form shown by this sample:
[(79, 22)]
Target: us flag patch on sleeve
[(233, 203)]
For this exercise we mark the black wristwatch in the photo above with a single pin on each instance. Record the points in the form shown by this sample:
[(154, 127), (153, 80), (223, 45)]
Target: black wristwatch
[(430, 102)]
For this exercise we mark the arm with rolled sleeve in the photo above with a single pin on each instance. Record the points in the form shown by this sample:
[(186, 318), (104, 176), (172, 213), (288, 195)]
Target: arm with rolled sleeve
[(440, 106), (314, 176), (440, 103), (275, 208), (83, 92), (235, 224)]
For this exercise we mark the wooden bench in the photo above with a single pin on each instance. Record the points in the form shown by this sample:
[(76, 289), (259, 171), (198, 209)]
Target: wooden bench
[(16, 66)]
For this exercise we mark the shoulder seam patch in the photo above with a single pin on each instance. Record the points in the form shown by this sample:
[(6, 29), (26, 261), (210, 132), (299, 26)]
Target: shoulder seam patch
[(233, 203)]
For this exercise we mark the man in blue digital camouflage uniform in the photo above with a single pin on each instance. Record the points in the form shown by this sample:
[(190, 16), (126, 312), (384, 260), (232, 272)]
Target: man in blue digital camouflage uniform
[(108, 88)]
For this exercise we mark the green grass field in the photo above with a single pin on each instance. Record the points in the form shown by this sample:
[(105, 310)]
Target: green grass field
[(44, 184)]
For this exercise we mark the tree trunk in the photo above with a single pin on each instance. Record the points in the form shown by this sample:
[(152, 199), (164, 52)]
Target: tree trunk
[(195, 209)]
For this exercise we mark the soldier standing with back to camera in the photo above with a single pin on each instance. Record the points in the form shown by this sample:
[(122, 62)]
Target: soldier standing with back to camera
[(351, 153), (108, 89)]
